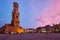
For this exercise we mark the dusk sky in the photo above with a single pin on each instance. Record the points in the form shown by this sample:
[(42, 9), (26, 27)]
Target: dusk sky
[(33, 13)]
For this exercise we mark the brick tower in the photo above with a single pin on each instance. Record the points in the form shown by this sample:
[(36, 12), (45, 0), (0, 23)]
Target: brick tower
[(15, 15)]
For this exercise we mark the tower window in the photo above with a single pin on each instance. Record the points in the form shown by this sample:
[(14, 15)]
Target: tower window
[(16, 16)]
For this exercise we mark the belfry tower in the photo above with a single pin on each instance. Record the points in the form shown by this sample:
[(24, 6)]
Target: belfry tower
[(14, 27), (15, 15)]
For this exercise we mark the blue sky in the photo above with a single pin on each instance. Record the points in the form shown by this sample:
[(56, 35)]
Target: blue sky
[(33, 13)]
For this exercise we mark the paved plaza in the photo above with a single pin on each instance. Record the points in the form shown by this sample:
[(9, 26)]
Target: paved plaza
[(33, 36)]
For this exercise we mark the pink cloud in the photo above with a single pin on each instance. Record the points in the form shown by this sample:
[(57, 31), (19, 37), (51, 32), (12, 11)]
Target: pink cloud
[(49, 15)]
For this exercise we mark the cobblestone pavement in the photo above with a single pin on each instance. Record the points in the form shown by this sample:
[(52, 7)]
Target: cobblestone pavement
[(33, 36)]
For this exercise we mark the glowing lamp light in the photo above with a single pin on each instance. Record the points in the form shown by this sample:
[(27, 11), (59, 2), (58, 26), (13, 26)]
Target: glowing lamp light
[(20, 30)]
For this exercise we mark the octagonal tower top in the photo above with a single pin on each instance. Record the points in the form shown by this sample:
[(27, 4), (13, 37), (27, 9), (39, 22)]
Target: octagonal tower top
[(15, 6)]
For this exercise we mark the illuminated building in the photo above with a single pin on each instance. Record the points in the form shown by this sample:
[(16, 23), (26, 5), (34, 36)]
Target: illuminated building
[(14, 27)]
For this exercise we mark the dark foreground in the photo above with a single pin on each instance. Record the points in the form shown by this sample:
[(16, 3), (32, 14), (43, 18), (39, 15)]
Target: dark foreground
[(41, 36)]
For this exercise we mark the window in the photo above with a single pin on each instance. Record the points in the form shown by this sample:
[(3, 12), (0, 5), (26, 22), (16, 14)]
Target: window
[(16, 16)]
